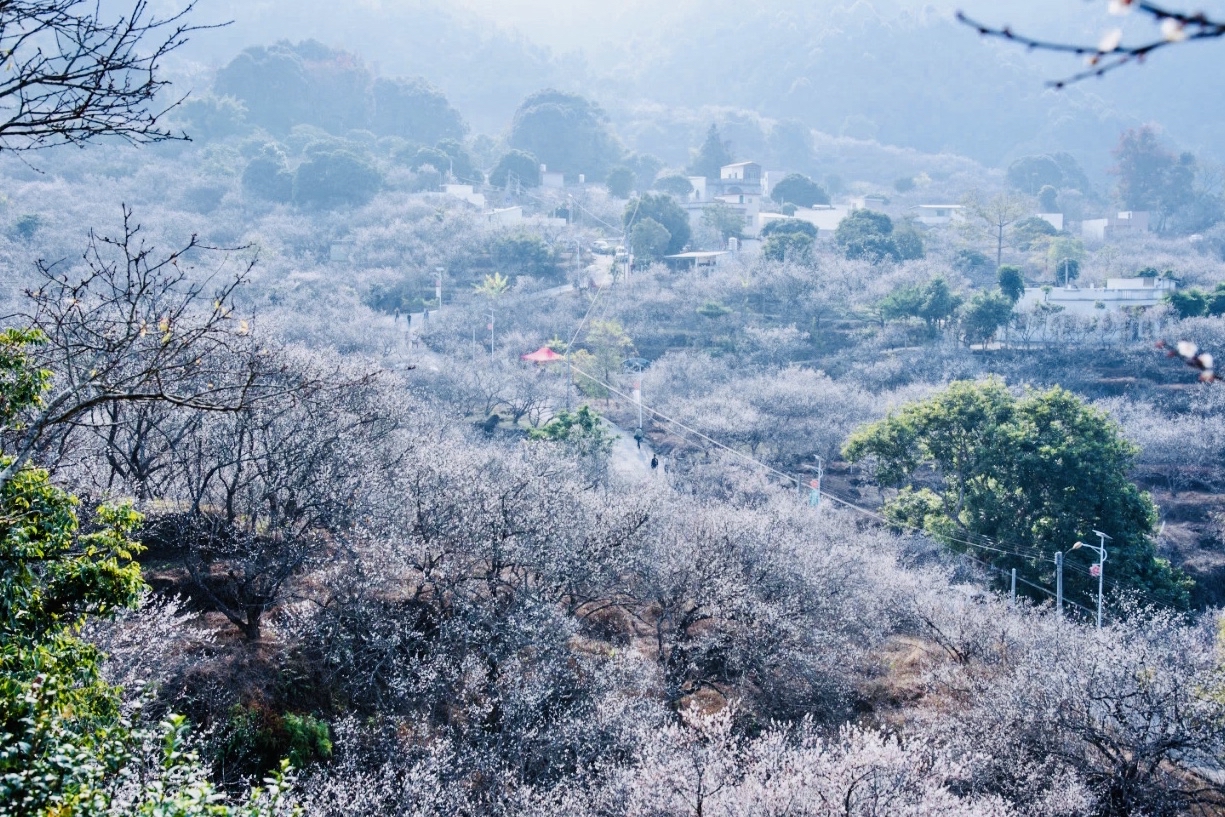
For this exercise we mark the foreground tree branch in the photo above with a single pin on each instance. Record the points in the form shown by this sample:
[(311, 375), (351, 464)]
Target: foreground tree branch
[(71, 75), (1110, 54), (132, 326)]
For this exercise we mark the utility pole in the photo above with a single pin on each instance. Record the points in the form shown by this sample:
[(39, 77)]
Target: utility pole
[(1098, 569), (491, 338), (1012, 594), (638, 400), (814, 486), (1059, 583), (438, 285)]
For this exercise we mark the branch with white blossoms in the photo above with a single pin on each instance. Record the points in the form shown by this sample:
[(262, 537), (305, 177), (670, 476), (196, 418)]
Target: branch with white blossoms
[(1190, 354), (1110, 54)]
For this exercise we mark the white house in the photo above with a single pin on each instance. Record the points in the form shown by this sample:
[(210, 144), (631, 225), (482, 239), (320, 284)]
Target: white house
[(552, 178), (1119, 293), (1100, 229), (825, 218), (748, 173), (466, 192), (870, 202), (938, 215), (504, 217), (770, 180), (695, 260)]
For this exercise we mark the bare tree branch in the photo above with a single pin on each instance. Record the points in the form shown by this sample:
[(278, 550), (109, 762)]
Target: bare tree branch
[(131, 326), (70, 75), (1176, 28)]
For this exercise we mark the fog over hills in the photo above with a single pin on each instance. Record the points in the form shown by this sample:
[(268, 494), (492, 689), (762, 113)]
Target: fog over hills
[(897, 71)]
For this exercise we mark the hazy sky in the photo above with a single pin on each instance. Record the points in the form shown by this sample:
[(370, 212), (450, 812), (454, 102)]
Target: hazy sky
[(594, 25)]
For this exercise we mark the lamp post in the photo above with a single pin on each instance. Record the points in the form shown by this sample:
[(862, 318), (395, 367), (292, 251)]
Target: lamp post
[(1099, 568)]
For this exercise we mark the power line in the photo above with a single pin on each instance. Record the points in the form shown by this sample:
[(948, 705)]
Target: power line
[(791, 478), (1002, 548)]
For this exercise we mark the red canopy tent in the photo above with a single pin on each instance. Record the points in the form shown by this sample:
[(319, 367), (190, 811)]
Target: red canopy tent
[(542, 355)]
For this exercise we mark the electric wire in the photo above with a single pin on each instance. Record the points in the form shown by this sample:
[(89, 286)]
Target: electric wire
[(1002, 548)]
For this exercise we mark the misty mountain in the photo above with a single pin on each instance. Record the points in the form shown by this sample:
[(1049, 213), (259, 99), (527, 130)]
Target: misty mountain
[(897, 72)]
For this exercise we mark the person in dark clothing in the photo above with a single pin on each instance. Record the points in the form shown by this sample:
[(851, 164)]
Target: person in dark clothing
[(654, 462)]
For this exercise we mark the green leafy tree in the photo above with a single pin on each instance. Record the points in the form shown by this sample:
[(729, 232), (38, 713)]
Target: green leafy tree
[(1151, 177), (271, 84), (582, 431), (609, 344), (620, 182), (789, 144), (66, 746), (566, 132), (983, 315), (664, 210), (724, 219), (649, 240), (433, 157), (902, 303), (1065, 255), (644, 166), (213, 117), (1033, 232), (794, 247), (1030, 174), (799, 190), (1188, 303), (712, 156), (414, 110), (678, 186), (493, 286), (904, 185), (1067, 270), (335, 179), (1216, 301), (933, 303), (517, 165), (1048, 199), (971, 262), (268, 177), (789, 225), (909, 242), (306, 83), (524, 253), (939, 303), (868, 235), (462, 165), (1012, 282), (1034, 474)]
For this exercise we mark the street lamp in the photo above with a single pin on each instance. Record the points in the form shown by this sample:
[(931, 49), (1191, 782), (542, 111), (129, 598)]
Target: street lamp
[(1098, 569)]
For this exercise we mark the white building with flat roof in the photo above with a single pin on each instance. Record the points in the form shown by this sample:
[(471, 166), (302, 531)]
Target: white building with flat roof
[(938, 215), (1118, 293), (1100, 229), (552, 179), (466, 192), (825, 218)]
